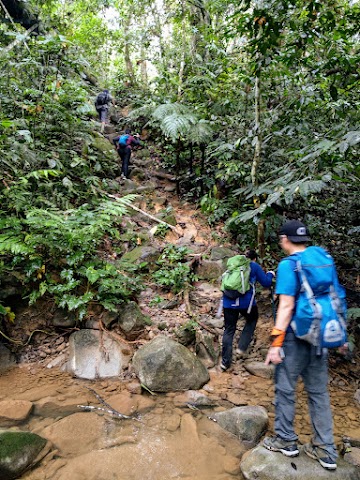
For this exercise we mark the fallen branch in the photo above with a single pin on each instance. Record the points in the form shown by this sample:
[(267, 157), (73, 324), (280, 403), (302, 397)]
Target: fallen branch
[(110, 410), (174, 229), (89, 408)]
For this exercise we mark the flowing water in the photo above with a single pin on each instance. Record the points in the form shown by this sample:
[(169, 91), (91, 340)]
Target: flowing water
[(165, 440)]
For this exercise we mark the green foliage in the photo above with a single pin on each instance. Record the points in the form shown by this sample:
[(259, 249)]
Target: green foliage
[(173, 273), (56, 254)]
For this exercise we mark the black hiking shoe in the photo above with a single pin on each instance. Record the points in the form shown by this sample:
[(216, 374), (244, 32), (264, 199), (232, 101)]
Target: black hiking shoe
[(276, 444), (320, 455)]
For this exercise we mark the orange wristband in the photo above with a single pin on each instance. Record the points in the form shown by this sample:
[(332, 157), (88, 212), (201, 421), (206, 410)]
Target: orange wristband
[(277, 337)]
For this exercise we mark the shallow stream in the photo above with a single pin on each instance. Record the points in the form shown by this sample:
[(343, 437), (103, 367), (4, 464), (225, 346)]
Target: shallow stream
[(166, 439)]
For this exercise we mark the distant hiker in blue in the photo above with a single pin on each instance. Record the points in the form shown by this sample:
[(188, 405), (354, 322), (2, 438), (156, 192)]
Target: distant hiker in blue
[(123, 144), (102, 106), (245, 305), (296, 357)]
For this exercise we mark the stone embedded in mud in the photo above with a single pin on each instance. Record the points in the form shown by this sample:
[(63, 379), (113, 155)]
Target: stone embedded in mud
[(261, 464), (247, 423), (7, 359), (164, 365), (132, 321), (259, 369), (13, 412), (18, 452)]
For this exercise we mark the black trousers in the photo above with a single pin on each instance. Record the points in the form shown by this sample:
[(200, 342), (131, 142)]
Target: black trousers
[(125, 154), (231, 317)]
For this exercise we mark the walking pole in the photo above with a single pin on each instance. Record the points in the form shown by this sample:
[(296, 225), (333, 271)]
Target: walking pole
[(273, 308)]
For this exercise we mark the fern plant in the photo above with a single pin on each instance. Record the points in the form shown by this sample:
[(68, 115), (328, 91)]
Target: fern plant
[(56, 253)]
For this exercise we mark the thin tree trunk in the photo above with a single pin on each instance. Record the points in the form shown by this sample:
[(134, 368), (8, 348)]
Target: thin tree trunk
[(128, 63), (178, 147), (191, 159), (257, 152), (202, 168)]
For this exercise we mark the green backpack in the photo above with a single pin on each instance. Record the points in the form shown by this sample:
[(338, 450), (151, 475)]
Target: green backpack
[(236, 278)]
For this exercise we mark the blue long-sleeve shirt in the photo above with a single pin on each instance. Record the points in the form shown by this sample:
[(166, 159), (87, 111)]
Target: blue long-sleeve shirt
[(257, 274)]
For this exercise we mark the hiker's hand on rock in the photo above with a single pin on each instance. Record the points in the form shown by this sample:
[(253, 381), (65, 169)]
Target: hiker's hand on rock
[(273, 356), (344, 349)]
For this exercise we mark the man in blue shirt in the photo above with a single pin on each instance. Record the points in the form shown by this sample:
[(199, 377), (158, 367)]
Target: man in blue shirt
[(294, 358), (244, 305)]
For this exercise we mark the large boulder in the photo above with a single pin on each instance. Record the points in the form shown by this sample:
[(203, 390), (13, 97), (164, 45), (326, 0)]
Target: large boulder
[(19, 451), (261, 464), (95, 354), (247, 423), (164, 365)]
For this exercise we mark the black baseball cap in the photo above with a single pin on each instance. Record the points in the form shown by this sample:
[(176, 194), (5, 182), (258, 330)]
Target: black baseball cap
[(295, 231)]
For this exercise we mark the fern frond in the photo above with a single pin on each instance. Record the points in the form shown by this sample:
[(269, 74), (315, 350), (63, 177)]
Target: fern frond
[(13, 244), (176, 125), (169, 109)]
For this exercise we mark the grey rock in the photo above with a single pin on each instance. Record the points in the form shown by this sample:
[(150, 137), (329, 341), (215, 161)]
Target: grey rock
[(221, 253), (357, 396), (132, 321), (94, 354), (142, 254), (7, 359), (247, 423), (164, 365), (261, 464), (259, 369), (353, 456), (209, 270), (205, 348), (63, 318)]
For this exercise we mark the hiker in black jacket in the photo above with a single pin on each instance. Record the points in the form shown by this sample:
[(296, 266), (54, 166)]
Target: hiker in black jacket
[(102, 106)]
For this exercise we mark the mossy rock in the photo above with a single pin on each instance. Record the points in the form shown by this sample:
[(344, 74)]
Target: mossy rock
[(18, 452), (143, 153), (104, 147), (142, 254)]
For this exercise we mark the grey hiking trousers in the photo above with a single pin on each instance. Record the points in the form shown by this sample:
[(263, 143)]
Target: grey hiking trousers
[(301, 360)]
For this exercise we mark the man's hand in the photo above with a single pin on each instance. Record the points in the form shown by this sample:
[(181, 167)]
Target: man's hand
[(344, 349), (274, 356)]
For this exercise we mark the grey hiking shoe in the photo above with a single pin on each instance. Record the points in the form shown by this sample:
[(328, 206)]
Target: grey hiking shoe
[(320, 455), (240, 353), (223, 367), (276, 444)]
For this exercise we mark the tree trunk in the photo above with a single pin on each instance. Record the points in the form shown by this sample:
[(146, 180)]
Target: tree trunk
[(257, 152), (128, 63)]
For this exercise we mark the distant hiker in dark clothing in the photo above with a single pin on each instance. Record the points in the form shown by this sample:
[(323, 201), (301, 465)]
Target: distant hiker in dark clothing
[(123, 144), (102, 106)]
